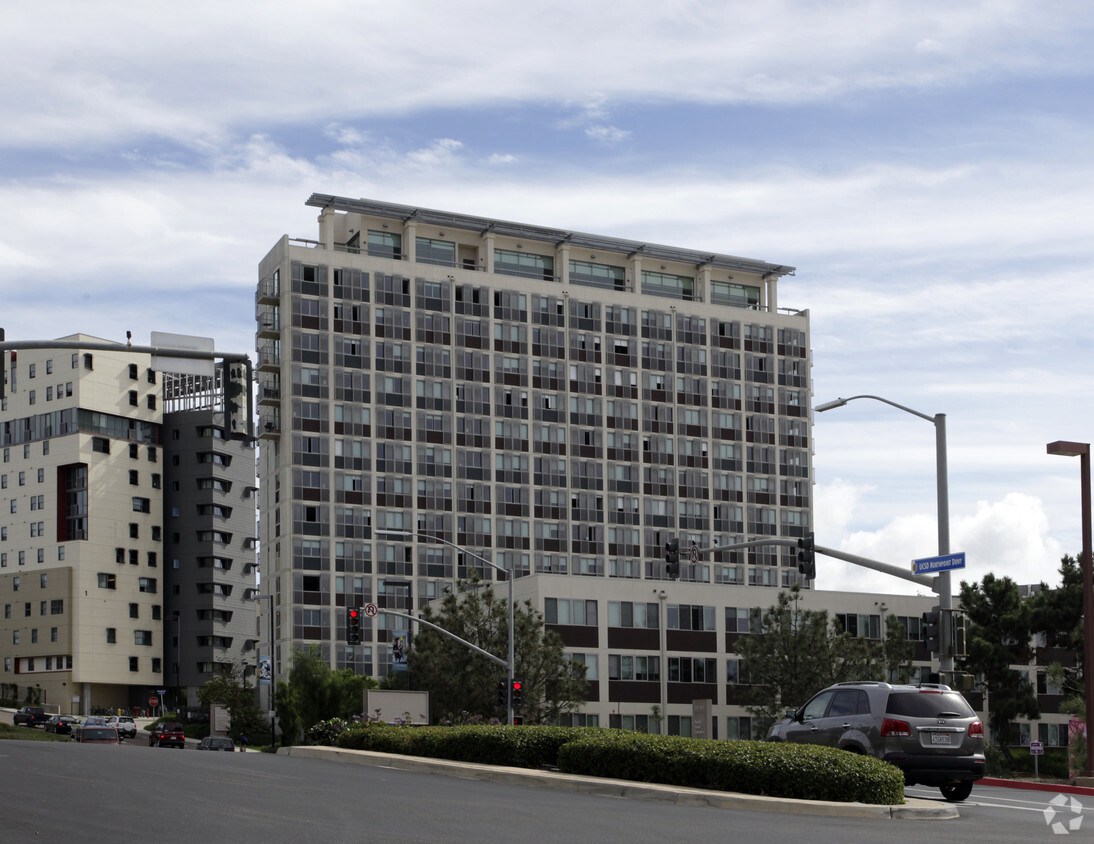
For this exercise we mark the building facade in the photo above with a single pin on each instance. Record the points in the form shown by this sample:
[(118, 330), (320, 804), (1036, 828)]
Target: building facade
[(91, 563), (559, 403)]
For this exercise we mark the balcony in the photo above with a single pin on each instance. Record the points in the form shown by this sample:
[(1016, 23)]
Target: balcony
[(269, 291)]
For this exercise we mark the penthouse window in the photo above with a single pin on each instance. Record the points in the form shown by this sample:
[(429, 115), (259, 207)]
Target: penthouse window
[(668, 285), (588, 274), (383, 244), (441, 253), (524, 264), (738, 295)]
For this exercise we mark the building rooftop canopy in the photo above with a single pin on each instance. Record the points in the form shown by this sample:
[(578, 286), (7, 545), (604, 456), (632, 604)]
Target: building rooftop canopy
[(404, 213)]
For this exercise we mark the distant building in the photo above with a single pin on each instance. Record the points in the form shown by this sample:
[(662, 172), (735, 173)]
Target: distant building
[(126, 530), (558, 402)]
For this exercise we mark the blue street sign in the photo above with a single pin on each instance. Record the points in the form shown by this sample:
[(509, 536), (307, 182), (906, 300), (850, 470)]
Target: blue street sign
[(943, 563)]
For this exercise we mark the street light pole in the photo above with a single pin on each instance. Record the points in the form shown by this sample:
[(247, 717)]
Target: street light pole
[(509, 581), (944, 588), (1082, 451), (272, 696)]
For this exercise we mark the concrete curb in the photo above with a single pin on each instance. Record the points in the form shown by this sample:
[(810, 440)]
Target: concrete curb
[(1059, 788), (913, 809)]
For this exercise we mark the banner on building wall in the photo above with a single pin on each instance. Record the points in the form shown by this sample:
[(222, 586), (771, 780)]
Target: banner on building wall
[(265, 673)]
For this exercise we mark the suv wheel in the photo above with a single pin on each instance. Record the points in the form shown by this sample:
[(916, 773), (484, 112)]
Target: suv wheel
[(956, 792)]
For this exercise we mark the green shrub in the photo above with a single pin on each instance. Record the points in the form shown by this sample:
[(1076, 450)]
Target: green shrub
[(748, 767)]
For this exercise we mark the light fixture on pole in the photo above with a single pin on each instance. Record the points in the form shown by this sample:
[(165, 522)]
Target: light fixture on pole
[(406, 534), (944, 588), (1082, 451)]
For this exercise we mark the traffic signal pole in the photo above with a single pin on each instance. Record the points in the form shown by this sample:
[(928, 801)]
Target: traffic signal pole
[(511, 666)]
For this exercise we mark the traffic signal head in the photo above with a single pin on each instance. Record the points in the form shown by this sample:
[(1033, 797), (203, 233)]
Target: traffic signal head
[(929, 630), (672, 558), (960, 634), (353, 626), (503, 694), (807, 560), (518, 693)]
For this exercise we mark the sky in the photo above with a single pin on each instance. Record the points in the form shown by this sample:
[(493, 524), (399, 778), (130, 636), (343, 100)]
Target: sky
[(924, 165)]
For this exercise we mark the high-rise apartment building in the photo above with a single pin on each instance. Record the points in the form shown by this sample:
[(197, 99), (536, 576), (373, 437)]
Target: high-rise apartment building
[(560, 403), (126, 529)]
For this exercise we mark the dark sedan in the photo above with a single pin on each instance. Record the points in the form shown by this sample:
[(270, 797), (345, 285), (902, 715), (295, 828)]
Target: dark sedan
[(60, 724)]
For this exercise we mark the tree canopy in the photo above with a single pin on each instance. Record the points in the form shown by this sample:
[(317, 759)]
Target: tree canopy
[(315, 692), (462, 681), (794, 652), (1001, 624), (237, 696)]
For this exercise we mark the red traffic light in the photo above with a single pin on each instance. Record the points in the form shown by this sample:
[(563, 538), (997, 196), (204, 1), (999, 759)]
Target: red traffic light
[(353, 613), (517, 685)]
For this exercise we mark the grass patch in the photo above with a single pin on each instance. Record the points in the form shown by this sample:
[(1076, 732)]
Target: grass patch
[(7, 731)]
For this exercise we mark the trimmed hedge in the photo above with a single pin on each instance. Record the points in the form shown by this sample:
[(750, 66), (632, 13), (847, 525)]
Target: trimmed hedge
[(518, 747), (773, 769), (747, 767)]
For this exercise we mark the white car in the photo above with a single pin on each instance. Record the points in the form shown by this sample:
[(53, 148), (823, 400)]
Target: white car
[(126, 726)]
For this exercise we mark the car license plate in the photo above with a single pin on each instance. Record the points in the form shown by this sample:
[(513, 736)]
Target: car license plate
[(940, 738)]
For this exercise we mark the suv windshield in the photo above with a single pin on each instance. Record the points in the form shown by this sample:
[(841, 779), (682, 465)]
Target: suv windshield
[(928, 705)]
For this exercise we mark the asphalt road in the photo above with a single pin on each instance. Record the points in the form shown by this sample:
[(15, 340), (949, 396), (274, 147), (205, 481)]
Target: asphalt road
[(64, 792)]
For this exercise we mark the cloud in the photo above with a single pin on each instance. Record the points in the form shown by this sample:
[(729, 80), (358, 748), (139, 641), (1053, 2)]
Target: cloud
[(1008, 537), (202, 73)]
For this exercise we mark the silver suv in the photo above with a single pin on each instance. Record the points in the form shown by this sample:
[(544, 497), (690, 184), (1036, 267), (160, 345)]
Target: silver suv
[(928, 731), (126, 726)]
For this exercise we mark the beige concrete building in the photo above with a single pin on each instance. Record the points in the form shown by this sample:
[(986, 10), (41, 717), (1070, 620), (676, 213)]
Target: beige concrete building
[(91, 564)]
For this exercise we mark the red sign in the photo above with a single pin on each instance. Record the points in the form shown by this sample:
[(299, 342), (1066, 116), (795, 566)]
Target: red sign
[(153, 701)]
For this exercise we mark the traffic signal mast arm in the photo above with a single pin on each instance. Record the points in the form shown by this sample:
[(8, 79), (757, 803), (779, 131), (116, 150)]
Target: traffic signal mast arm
[(463, 642), (865, 562)]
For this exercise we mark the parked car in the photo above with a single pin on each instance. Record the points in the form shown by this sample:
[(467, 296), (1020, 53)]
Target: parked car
[(928, 730), (167, 735), (217, 743), (96, 735), (61, 724), (30, 716), (126, 726)]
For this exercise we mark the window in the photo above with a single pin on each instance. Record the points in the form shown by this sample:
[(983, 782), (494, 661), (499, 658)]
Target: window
[(142, 505), (151, 402), (57, 606), (133, 371), (100, 444), (134, 611), (111, 635), (566, 611), (134, 530), (147, 584), (43, 579), (134, 477), (133, 398), (134, 663), (142, 637), (628, 614), (107, 581)]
